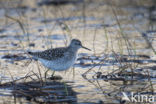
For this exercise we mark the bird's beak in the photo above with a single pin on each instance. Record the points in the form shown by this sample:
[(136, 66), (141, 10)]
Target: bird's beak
[(86, 48)]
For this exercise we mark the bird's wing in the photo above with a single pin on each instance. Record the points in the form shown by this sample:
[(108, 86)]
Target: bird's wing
[(50, 54)]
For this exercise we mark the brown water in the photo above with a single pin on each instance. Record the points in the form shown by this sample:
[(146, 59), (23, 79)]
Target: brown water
[(114, 31)]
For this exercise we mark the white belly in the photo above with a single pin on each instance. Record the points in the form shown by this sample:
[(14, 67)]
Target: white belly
[(58, 65)]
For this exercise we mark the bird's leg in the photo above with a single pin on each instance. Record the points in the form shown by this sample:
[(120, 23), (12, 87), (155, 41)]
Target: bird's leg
[(46, 74), (53, 74)]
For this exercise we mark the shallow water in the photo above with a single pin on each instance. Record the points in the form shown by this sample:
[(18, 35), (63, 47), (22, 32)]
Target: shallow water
[(118, 36)]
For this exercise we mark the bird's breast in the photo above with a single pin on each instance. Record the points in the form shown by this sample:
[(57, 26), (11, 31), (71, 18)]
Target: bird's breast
[(60, 64)]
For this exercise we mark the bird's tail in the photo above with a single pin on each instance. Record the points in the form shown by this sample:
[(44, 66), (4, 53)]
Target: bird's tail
[(30, 53), (33, 55)]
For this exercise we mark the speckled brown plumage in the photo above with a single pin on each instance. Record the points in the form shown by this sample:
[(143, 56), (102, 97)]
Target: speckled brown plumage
[(50, 54)]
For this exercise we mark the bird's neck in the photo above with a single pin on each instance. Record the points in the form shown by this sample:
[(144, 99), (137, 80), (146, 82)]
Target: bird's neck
[(72, 49)]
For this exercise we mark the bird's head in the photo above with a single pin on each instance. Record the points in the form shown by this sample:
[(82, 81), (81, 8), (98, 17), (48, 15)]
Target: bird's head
[(75, 43)]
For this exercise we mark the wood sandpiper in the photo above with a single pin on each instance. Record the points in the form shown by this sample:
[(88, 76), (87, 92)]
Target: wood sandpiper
[(59, 59)]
